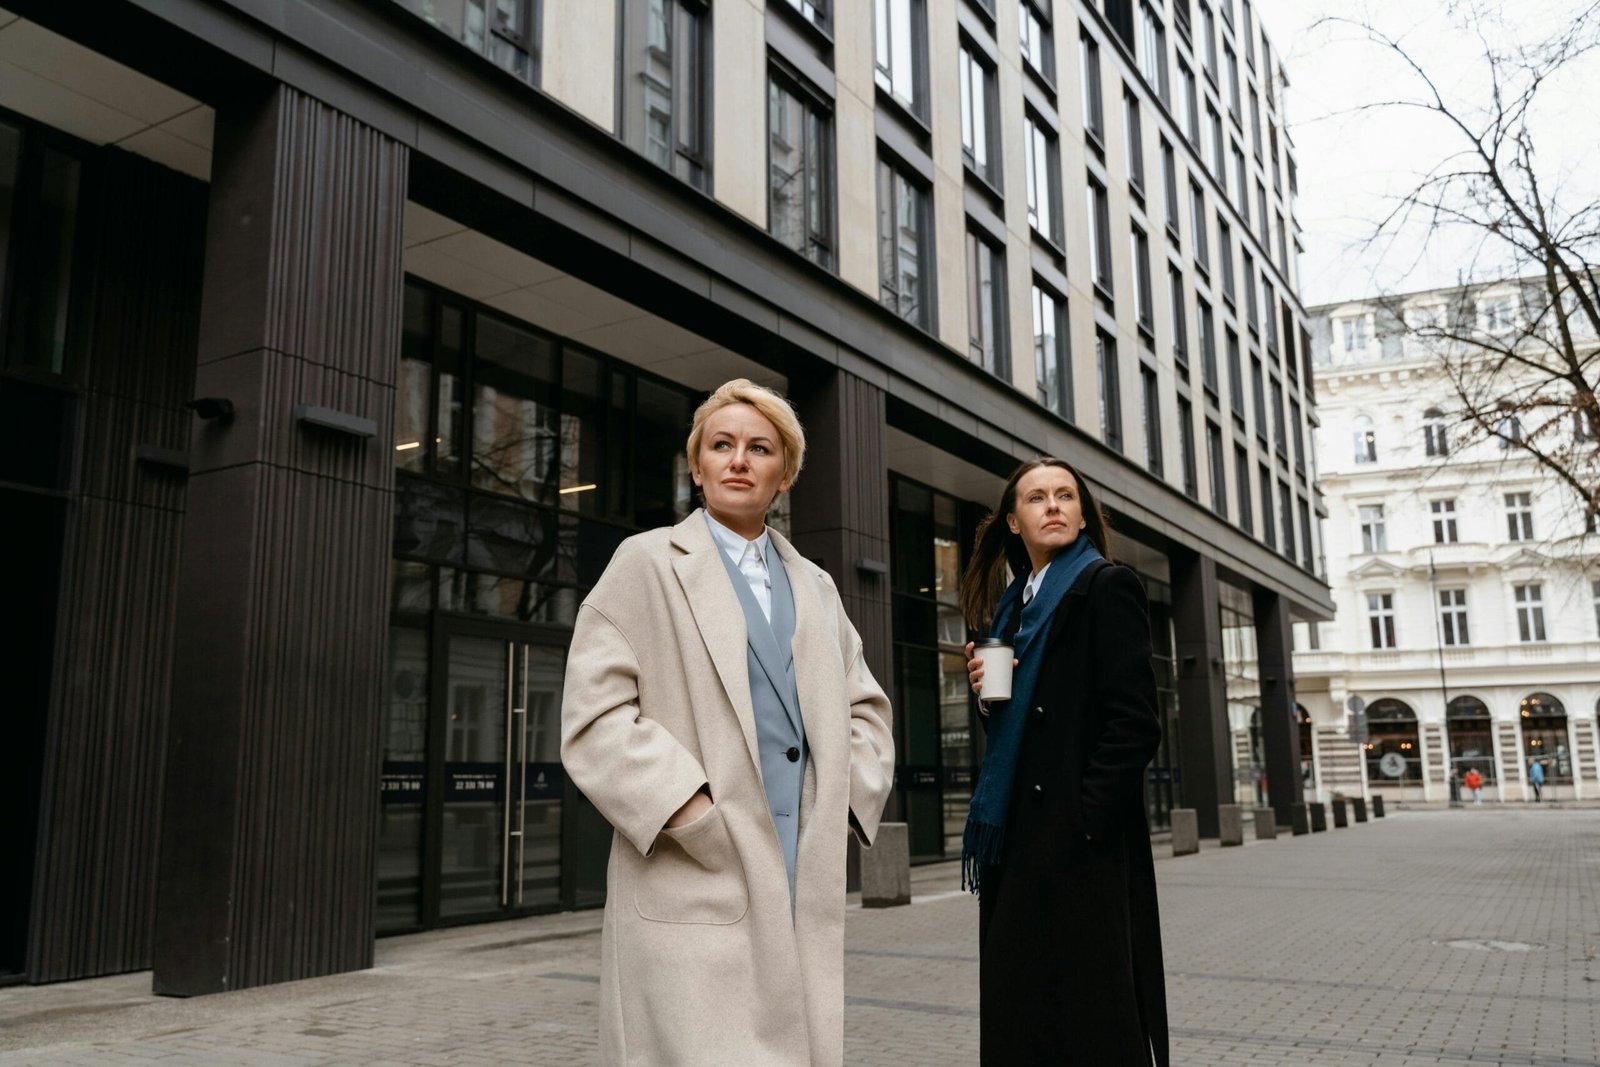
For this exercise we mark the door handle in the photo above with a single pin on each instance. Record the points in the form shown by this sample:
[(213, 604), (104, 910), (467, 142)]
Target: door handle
[(522, 770), (505, 797)]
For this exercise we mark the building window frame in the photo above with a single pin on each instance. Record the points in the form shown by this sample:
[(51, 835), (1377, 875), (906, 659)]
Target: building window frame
[(1374, 528), (1529, 600), (896, 185), (1380, 621), (980, 110), (1052, 361), (1042, 156), (987, 343), (667, 62), (1105, 347), (1519, 516), (900, 40), (1445, 529), (1453, 629), (817, 238)]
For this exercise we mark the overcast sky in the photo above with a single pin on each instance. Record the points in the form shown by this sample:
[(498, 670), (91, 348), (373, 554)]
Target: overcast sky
[(1353, 164)]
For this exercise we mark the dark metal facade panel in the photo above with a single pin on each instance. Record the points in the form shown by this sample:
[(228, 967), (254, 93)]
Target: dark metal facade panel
[(1206, 741), (266, 869), (135, 319), (840, 511)]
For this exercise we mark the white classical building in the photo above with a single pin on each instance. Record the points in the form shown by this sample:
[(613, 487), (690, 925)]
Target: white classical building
[(1467, 590)]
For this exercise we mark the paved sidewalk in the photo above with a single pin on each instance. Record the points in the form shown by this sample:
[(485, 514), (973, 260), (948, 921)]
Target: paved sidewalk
[(1430, 937)]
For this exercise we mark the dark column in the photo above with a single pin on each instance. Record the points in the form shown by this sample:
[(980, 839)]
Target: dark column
[(1280, 731), (272, 769), (840, 509), (137, 313), (841, 501), (1206, 755)]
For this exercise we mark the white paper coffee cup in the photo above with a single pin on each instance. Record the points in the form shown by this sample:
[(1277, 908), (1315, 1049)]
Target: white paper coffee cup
[(996, 656)]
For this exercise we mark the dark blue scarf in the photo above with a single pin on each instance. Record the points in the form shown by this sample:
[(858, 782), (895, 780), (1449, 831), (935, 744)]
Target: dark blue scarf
[(984, 840)]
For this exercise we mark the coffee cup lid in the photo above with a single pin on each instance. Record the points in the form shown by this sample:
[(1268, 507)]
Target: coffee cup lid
[(993, 642)]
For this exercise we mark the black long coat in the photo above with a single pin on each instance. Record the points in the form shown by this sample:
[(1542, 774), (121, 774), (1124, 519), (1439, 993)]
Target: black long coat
[(1070, 936)]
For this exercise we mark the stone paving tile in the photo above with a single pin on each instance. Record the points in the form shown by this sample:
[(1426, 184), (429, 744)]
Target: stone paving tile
[(1431, 937)]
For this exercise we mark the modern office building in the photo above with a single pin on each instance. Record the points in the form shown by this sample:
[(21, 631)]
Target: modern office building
[(345, 339), (1467, 578)]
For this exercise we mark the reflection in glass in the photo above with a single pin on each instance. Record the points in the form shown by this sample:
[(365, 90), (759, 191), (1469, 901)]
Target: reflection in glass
[(405, 732), (541, 822), (514, 418), (38, 331), (583, 409), (661, 472), (414, 383), (472, 834), (1241, 674)]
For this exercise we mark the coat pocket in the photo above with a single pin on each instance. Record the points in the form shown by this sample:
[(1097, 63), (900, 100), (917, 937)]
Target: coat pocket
[(694, 875)]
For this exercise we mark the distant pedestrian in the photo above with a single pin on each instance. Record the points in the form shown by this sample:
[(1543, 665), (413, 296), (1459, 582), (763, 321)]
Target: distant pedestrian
[(1536, 779), (1057, 845), (1474, 782)]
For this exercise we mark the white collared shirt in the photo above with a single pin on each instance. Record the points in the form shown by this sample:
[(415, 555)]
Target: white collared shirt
[(750, 557), (1031, 587)]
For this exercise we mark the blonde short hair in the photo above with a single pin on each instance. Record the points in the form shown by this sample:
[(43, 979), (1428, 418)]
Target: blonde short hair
[(770, 404)]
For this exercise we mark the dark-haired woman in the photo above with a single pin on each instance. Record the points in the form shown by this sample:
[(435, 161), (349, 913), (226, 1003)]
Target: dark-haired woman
[(1057, 845)]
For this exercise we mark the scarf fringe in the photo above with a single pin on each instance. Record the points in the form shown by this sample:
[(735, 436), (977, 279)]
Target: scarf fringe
[(981, 846)]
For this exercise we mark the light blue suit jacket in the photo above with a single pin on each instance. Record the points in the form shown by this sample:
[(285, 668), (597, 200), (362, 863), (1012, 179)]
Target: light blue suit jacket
[(780, 730)]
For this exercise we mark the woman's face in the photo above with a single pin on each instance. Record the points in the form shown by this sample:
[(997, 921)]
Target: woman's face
[(1049, 513), (741, 467)]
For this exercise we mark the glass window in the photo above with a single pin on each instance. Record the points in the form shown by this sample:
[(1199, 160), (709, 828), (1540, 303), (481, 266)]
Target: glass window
[(1094, 118), (1191, 477), (904, 253), (1207, 44), (1265, 477), (1225, 258), (1044, 179), (1153, 52), (1230, 71), (39, 227), (1299, 436), (1453, 616), (1374, 535), (1152, 419), (1100, 236), (898, 52), (663, 491), (666, 84), (1380, 619), (979, 128), (503, 30), (1435, 434), (515, 426), (1197, 214), (800, 187), (1052, 371), (1211, 147), (1169, 178), (1258, 387), (814, 10), (1180, 320), (1191, 104), (1507, 428), (986, 303), (1208, 344), (1255, 123), (1444, 521), (1143, 299), (1110, 390), (1269, 312), (1241, 182), (1251, 312), (1305, 533), (1241, 475), (1530, 612), (1038, 47), (1135, 131), (1519, 516), (1218, 465), (1235, 375)]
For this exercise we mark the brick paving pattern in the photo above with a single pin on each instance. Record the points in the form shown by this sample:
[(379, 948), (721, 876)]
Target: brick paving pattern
[(1431, 937)]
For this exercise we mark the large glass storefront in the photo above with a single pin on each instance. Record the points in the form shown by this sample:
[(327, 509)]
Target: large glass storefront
[(1393, 749), (1241, 674), (936, 726), (1163, 789), (1471, 738), (1544, 736), (523, 461)]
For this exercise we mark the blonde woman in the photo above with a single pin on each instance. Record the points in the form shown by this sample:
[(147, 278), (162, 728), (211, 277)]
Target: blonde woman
[(719, 714)]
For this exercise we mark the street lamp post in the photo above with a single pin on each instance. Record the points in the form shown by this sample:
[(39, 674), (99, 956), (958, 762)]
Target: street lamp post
[(1444, 689)]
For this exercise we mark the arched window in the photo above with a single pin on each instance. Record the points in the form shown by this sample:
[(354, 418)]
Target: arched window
[(1471, 737), (1365, 439), (1544, 736), (1434, 434), (1394, 755)]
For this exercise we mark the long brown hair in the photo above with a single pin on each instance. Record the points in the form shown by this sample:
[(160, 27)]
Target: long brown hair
[(997, 549)]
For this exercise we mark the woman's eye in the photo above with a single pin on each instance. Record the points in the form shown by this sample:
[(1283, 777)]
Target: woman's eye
[(758, 448)]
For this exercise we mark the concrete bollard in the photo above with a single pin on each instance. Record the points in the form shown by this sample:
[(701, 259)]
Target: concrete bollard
[(1340, 818), (1360, 804), (886, 868), (1299, 819), (1377, 806), (1230, 824), (1266, 824), (1185, 831), (1319, 818)]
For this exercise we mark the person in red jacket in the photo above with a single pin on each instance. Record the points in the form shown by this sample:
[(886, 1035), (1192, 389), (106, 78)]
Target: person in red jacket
[(1474, 782)]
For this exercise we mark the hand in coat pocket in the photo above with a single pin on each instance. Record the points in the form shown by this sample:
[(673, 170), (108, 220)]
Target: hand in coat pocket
[(693, 875)]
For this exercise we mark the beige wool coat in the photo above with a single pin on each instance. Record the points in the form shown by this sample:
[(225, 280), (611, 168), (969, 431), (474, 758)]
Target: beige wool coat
[(702, 961)]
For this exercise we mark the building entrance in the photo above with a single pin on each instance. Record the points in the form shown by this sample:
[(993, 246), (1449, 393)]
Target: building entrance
[(478, 820)]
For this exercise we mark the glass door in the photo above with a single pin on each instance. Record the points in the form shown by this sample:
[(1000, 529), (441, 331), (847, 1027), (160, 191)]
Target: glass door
[(501, 781)]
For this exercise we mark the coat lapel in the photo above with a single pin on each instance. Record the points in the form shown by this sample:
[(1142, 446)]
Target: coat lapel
[(718, 617), (818, 672)]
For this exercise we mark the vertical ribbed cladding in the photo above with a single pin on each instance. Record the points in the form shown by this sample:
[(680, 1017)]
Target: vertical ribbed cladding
[(135, 317), (268, 851), (841, 502)]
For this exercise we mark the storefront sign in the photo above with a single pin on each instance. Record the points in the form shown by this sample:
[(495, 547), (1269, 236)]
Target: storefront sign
[(401, 783)]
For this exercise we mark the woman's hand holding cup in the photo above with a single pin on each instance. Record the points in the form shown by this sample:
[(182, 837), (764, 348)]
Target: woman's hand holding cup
[(992, 656)]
